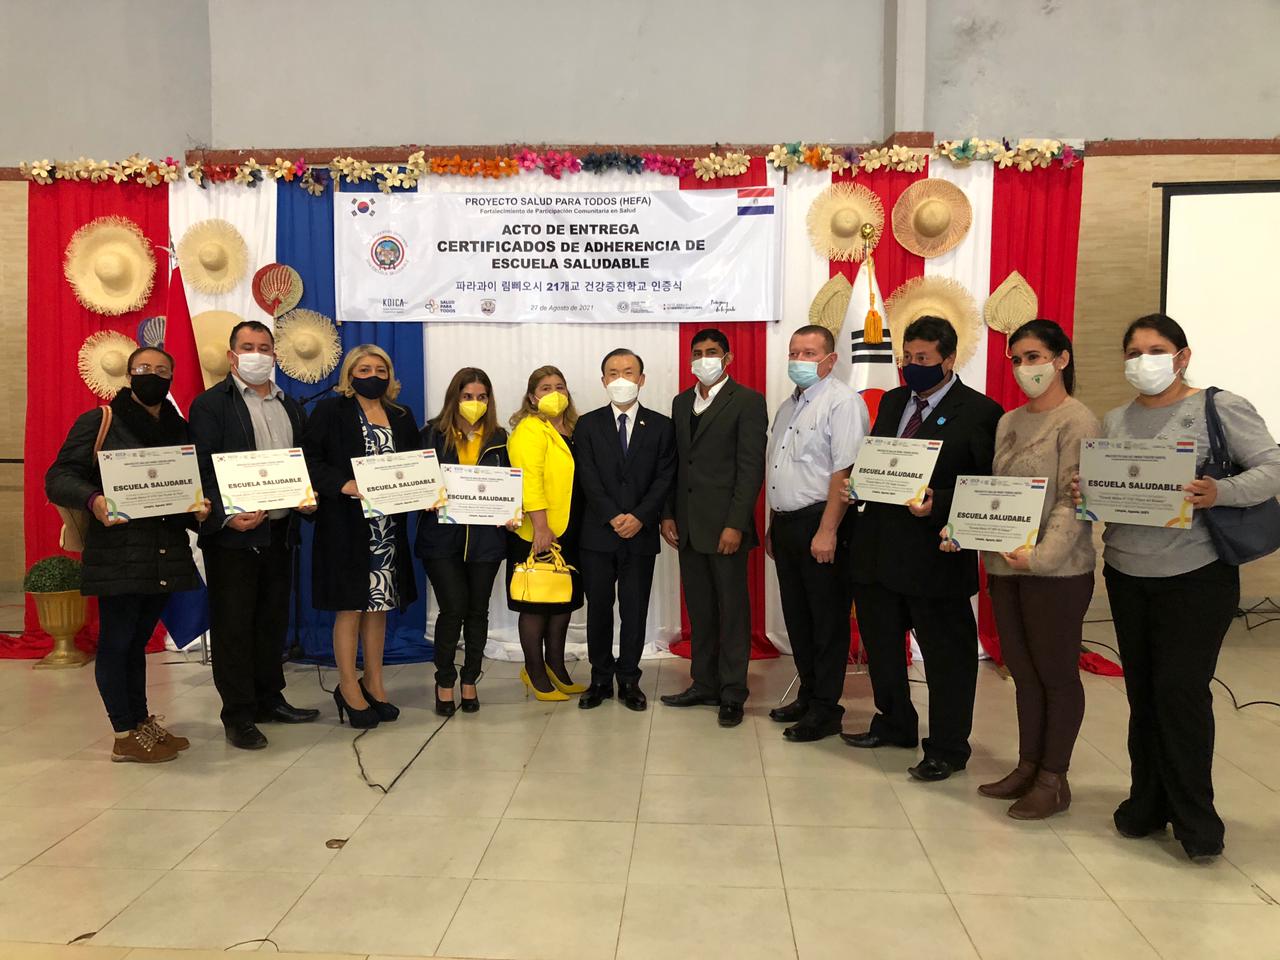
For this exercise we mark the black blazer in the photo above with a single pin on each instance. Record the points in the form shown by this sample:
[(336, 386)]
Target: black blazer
[(340, 552), (219, 423), (893, 547), (440, 541), (639, 484), (720, 468)]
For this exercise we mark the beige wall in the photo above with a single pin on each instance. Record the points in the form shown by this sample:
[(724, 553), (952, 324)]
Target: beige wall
[(13, 386), (1118, 277)]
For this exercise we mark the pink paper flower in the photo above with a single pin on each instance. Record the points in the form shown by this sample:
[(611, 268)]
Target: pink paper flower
[(528, 160)]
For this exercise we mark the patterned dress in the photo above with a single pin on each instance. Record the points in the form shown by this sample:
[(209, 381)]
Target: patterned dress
[(382, 533)]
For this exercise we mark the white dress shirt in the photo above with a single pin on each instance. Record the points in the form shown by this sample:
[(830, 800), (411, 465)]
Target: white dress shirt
[(931, 404), (699, 404), (816, 433), (631, 415), (272, 428)]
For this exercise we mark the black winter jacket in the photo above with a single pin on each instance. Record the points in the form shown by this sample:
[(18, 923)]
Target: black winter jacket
[(146, 555), (440, 541)]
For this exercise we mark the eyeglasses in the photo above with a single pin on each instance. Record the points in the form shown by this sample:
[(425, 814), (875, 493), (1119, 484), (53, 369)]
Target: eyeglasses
[(161, 370)]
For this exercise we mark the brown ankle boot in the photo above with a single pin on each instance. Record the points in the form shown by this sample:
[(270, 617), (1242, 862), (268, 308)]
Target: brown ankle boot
[(141, 747), (1013, 785), (1049, 795), (152, 726)]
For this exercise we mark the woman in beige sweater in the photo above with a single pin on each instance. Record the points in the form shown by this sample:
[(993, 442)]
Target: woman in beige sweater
[(1040, 594)]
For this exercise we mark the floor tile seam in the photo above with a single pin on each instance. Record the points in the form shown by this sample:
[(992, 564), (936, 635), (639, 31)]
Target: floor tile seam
[(141, 893)]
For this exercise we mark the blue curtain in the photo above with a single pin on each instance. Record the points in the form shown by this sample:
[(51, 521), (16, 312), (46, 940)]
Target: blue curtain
[(304, 241)]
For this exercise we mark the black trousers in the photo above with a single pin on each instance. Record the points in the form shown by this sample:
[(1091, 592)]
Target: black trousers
[(462, 589), (125, 624), (815, 606), (248, 621), (1040, 619), (628, 578), (1169, 630), (948, 640), (719, 604)]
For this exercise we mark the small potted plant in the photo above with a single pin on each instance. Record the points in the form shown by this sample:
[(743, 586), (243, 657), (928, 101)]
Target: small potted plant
[(54, 584)]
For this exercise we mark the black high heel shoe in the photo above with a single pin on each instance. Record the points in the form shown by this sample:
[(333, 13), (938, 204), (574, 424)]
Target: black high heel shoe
[(471, 704), (445, 708), (386, 711), (365, 719)]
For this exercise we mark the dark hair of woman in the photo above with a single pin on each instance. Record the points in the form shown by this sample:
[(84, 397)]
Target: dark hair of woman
[(1162, 324)]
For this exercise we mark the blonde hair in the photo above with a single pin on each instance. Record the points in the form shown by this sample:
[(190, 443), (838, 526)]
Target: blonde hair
[(354, 356), (529, 409)]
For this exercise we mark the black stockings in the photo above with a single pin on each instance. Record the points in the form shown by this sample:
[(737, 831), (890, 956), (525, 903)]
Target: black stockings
[(542, 638)]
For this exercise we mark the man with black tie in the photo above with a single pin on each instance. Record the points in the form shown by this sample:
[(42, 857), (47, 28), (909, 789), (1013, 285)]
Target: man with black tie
[(720, 444), (625, 462), (903, 581)]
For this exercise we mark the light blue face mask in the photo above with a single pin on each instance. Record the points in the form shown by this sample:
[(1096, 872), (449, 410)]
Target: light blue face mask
[(803, 373)]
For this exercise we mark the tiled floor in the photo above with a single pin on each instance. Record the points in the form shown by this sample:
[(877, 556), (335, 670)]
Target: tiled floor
[(543, 831)]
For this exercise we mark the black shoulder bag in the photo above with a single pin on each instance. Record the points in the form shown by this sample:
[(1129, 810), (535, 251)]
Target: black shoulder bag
[(1240, 534)]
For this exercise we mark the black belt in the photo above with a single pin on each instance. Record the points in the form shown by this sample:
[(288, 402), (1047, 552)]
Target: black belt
[(808, 511)]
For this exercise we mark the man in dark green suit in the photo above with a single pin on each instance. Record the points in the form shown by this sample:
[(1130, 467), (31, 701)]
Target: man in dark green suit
[(720, 430)]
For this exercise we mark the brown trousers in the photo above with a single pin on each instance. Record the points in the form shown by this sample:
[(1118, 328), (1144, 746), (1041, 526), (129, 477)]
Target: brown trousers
[(1039, 619)]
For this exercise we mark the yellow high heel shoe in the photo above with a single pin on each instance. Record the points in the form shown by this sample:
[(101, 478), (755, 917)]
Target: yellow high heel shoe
[(565, 687), (538, 694)]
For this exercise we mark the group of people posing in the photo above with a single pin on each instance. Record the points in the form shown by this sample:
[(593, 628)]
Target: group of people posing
[(602, 488)]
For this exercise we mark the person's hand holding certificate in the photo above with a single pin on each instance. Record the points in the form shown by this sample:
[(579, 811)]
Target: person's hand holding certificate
[(1137, 481), (999, 514), (399, 482), (893, 470), (150, 482)]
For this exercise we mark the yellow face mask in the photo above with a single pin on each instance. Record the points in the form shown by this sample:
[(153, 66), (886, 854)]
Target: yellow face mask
[(473, 410), (552, 404)]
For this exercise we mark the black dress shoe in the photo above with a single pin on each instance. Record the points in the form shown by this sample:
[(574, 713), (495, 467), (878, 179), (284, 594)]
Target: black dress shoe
[(387, 712), (245, 736), (807, 732), (793, 711), (730, 714), (632, 697), (931, 769), (283, 713), (1202, 853), (1127, 827), (691, 698), (470, 704), (595, 695), (869, 741)]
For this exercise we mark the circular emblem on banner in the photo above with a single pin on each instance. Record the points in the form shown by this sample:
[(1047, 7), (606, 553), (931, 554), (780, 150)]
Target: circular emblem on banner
[(152, 473), (623, 306), (399, 474), (387, 253), (488, 306), (1134, 470), (262, 471)]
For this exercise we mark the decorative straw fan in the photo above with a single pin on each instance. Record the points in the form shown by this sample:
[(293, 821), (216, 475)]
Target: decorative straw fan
[(307, 345), (103, 362), (277, 288), (1010, 305), (829, 306)]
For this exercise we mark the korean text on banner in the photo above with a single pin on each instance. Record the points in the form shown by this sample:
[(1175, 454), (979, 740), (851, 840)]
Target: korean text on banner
[(682, 256)]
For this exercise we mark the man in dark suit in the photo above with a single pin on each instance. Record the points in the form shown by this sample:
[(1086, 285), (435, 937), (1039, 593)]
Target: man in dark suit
[(625, 459), (903, 581), (720, 430), (247, 555)]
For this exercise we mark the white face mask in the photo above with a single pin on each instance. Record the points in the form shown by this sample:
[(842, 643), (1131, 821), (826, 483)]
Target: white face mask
[(1150, 373), (1035, 380), (622, 391), (254, 368), (708, 369)]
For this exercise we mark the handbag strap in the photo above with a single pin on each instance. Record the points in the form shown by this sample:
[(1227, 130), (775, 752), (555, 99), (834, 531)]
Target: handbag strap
[(102, 430), (1219, 455), (557, 559)]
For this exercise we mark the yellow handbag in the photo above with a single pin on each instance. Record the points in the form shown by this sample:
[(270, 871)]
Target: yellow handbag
[(542, 580)]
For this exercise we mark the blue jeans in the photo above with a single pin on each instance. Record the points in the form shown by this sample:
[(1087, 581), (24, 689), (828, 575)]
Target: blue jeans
[(126, 622)]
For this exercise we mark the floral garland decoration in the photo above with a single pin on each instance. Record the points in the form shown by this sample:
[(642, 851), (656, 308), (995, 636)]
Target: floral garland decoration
[(1026, 156)]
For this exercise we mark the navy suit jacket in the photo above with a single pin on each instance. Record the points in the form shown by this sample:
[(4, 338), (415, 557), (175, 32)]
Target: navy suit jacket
[(638, 484)]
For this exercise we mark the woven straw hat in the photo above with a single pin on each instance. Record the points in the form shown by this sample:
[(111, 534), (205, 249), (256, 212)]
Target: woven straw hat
[(931, 217), (836, 218), (935, 297), (213, 256), (110, 266), (831, 303), (212, 331), (104, 362), (307, 345), (277, 288)]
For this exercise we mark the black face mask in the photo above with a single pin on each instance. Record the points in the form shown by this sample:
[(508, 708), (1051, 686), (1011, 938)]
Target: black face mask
[(150, 388), (371, 388)]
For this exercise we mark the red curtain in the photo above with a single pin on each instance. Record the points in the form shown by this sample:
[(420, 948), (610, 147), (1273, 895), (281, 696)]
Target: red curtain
[(747, 339), (57, 326)]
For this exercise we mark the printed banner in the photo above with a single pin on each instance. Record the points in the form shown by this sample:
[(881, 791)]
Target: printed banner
[(681, 256)]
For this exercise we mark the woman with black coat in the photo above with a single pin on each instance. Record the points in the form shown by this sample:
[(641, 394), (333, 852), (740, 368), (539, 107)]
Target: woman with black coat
[(462, 561), (361, 567), (131, 566)]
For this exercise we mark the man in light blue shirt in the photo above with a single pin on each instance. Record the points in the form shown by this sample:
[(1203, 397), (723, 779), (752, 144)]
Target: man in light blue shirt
[(815, 439)]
